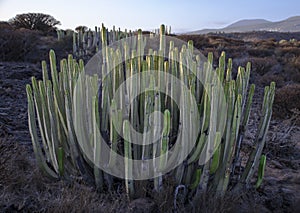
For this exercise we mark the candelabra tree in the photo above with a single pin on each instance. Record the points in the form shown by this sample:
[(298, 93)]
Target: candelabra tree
[(166, 106)]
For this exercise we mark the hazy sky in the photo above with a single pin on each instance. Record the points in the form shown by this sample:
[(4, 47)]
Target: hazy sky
[(182, 15)]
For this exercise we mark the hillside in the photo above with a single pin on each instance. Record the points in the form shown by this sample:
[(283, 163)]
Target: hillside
[(291, 24)]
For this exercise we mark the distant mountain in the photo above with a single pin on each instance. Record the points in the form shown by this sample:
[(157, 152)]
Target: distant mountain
[(248, 22), (291, 24)]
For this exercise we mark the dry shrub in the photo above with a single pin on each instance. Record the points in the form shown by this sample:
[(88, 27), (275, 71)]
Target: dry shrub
[(16, 44), (30, 45), (283, 43), (288, 51), (291, 69), (287, 99), (236, 52), (262, 48), (201, 42), (262, 65), (270, 42), (216, 42), (296, 61), (245, 201), (5, 25), (11, 45), (261, 51), (210, 41), (266, 79)]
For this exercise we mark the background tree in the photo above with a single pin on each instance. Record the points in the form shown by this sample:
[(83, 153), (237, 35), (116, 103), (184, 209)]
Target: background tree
[(81, 29), (34, 21)]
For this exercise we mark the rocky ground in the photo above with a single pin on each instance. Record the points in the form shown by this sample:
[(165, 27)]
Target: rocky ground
[(24, 188)]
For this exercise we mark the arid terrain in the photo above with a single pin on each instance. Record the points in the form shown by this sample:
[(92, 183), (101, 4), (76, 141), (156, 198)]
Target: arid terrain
[(274, 57)]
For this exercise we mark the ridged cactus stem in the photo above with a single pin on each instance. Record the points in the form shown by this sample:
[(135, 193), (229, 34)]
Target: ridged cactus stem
[(74, 44), (54, 141), (115, 126), (174, 90), (98, 174), (74, 152), (197, 177), (254, 157), (134, 106), (167, 82), (149, 108), (156, 134), (162, 42), (232, 143), (221, 68), (34, 136), (243, 127), (261, 171), (140, 49), (143, 84), (129, 183), (104, 97), (229, 70), (42, 117), (45, 73), (165, 139), (104, 45), (217, 152), (61, 161)]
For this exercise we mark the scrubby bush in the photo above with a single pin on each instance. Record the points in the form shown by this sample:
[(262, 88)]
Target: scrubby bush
[(261, 51), (288, 51), (286, 100), (268, 78), (17, 44), (5, 25), (30, 45), (291, 72), (262, 65)]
